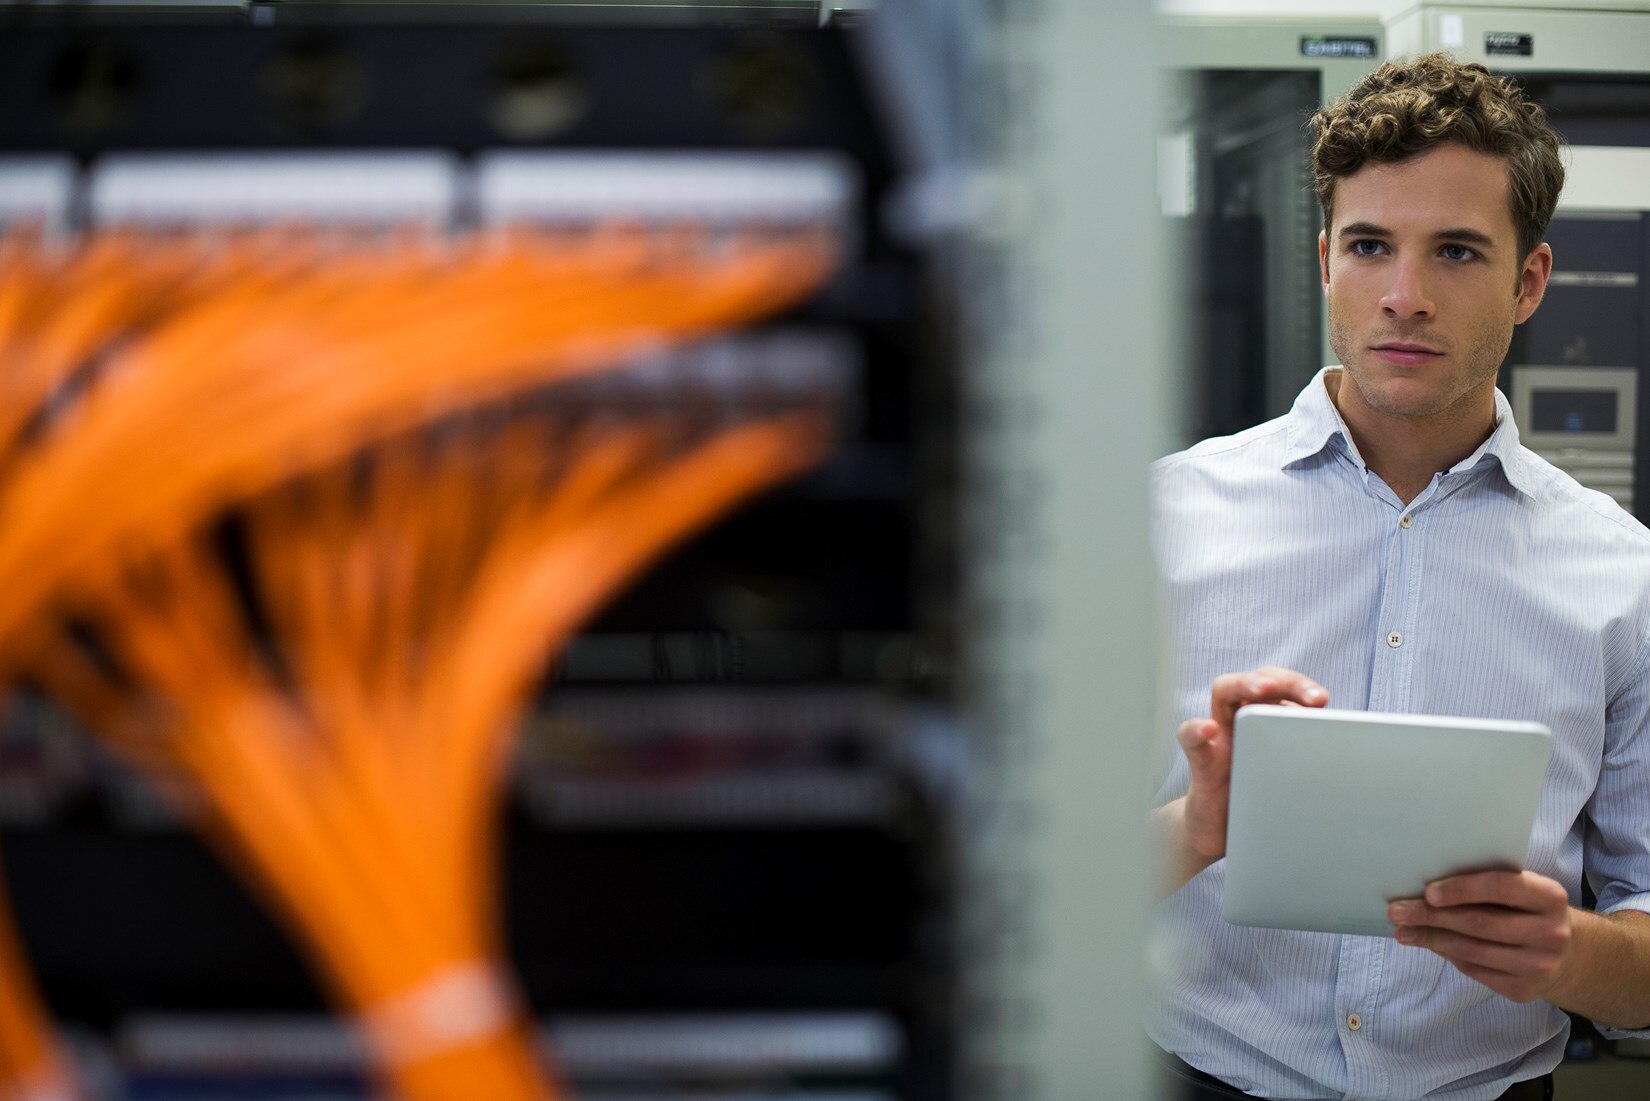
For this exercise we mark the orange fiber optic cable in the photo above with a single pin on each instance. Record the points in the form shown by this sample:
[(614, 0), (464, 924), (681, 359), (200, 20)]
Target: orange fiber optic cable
[(341, 729), (358, 785), (244, 386)]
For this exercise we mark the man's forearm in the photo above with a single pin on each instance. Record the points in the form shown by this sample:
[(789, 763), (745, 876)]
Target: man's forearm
[(1606, 972)]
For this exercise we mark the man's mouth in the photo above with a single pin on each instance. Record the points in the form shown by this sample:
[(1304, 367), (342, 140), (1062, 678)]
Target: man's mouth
[(1406, 353)]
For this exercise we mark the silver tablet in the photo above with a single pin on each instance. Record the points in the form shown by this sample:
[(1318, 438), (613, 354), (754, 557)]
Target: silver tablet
[(1336, 813)]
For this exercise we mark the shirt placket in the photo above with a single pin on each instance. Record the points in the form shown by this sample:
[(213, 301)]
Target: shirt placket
[(1358, 1005), (1393, 647), (1358, 1017)]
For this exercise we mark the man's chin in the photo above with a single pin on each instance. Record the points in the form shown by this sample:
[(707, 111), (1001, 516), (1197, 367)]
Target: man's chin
[(1400, 397), (1413, 407)]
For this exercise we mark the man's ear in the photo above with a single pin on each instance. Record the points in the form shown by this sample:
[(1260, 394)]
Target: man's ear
[(1532, 281), (1323, 259)]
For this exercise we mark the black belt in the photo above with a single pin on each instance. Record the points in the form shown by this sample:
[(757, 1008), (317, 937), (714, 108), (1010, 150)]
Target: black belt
[(1192, 1084)]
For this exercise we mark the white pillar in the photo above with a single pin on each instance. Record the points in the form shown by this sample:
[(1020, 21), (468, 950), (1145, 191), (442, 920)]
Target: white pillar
[(1070, 402)]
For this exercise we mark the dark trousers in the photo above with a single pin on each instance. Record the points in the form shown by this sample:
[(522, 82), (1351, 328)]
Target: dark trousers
[(1191, 1084)]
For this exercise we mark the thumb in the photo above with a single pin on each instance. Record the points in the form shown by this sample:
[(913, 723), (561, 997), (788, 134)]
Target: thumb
[(1198, 738)]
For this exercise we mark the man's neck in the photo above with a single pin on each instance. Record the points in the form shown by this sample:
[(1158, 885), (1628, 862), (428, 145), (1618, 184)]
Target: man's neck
[(1406, 451)]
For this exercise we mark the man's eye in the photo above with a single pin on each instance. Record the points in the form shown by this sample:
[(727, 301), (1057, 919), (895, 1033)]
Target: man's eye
[(1457, 252), (1366, 247)]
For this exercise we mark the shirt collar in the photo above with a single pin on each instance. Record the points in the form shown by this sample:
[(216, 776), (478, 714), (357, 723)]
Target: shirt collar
[(1314, 424)]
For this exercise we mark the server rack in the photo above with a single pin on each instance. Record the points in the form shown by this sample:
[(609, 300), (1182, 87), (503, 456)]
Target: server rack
[(804, 644), (1241, 202)]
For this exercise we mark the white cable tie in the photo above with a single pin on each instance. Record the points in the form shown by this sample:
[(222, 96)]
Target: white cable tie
[(449, 1010), (43, 1082)]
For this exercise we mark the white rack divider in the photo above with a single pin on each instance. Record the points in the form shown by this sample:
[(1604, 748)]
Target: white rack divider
[(688, 1044), (36, 189), (352, 187), (711, 187)]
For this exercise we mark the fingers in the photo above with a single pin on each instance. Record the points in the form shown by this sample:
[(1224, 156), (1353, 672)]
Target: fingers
[(1207, 743), (1268, 684), (1197, 736), (1522, 890), (1519, 972), (1489, 925), (1520, 908), (1208, 751), (1510, 931)]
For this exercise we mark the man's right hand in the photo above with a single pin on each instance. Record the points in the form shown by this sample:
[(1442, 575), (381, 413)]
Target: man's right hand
[(1194, 826)]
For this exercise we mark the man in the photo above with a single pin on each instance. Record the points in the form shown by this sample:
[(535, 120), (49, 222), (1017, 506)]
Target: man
[(1390, 538)]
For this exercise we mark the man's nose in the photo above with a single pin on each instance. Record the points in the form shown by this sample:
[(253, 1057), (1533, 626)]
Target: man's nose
[(1409, 294)]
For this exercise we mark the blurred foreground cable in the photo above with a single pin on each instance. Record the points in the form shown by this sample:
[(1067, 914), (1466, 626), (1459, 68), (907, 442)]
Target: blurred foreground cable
[(148, 382), (294, 519)]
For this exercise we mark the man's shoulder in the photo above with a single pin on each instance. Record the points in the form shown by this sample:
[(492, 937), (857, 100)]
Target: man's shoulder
[(1261, 447), (1581, 510)]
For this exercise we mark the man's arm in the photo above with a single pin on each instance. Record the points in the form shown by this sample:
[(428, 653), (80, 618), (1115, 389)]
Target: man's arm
[(1191, 830), (1516, 933)]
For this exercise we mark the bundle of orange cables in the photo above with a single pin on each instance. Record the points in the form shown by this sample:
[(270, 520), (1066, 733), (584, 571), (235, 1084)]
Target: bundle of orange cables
[(318, 509)]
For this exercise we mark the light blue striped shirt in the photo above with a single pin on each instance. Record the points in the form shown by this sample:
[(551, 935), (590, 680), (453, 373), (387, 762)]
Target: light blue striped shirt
[(1516, 594)]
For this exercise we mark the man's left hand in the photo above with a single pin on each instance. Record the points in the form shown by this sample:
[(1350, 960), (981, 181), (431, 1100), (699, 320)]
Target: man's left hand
[(1510, 931)]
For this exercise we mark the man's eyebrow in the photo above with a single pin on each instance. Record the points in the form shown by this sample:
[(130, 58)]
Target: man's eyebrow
[(1465, 235), (1363, 229)]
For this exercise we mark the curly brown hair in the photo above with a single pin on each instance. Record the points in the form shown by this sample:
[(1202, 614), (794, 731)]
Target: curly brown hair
[(1406, 108)]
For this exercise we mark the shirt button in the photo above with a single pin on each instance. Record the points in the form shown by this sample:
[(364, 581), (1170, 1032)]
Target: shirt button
[(1394, 640), (1406, 521), (1354, 1022)]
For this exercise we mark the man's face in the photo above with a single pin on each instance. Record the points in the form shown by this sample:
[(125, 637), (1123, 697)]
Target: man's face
[(1424, 281)]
